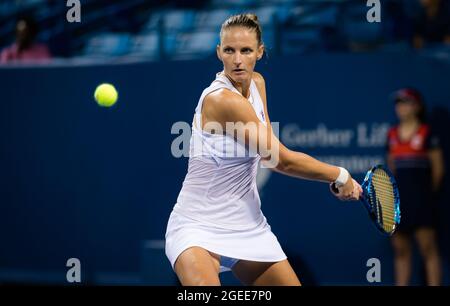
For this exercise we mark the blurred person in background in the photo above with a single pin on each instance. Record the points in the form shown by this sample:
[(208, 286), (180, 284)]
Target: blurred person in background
[(25, 48), (432, 25), (415, 158)]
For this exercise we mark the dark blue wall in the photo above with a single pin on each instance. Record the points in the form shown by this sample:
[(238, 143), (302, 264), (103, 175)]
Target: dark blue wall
[(77, 180)]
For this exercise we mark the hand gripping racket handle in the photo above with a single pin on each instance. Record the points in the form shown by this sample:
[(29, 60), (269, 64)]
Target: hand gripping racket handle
[(362, 197), (334, 188)]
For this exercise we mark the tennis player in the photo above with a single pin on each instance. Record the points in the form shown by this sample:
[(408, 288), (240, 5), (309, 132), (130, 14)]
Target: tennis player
[(217, 223)]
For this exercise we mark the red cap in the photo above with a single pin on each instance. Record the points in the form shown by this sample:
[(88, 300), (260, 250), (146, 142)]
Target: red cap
[(408, 94)]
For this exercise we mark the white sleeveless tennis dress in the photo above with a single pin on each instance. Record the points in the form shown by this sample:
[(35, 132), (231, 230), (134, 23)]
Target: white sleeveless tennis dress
[(218, 207)]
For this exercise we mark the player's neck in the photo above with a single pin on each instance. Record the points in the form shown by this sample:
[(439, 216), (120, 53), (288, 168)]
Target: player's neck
[(242, 87), (245, 90)]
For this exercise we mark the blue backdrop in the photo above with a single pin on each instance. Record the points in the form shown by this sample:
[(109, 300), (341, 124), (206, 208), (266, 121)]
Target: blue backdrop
[(78, 180)]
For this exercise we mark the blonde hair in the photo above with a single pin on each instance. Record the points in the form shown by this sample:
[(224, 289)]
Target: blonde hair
[(249, 21)]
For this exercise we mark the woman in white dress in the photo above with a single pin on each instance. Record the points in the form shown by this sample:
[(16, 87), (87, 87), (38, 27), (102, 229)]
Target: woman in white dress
[(217, 224)]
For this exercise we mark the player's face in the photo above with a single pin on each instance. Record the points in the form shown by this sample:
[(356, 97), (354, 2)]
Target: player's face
[(406, 109), (239, 50)]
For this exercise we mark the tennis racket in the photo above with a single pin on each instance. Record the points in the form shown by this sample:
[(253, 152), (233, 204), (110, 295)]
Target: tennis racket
[(381, 198)]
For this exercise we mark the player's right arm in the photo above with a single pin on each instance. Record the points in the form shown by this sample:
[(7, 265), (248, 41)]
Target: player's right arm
[(224, 106)]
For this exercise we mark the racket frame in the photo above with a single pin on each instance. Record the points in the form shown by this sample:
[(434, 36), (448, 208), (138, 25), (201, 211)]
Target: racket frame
[(367, 192)]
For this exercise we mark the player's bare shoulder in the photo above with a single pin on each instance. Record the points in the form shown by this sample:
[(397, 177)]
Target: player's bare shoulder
[(259, 80), (260, 84), (220, 102), (220, 97)]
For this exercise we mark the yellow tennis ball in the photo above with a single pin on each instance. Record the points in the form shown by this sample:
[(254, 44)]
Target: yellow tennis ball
[(106, 95)]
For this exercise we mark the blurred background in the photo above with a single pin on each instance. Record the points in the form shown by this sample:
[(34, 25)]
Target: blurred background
[(98, 184)]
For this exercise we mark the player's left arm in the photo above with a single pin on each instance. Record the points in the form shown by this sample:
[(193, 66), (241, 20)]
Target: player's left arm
[(293, 163), (261, 85)]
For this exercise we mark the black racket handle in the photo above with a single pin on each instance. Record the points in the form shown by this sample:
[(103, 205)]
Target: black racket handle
[(334, 188)]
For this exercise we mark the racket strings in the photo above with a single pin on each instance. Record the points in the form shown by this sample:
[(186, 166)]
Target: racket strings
[(385, 194)]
